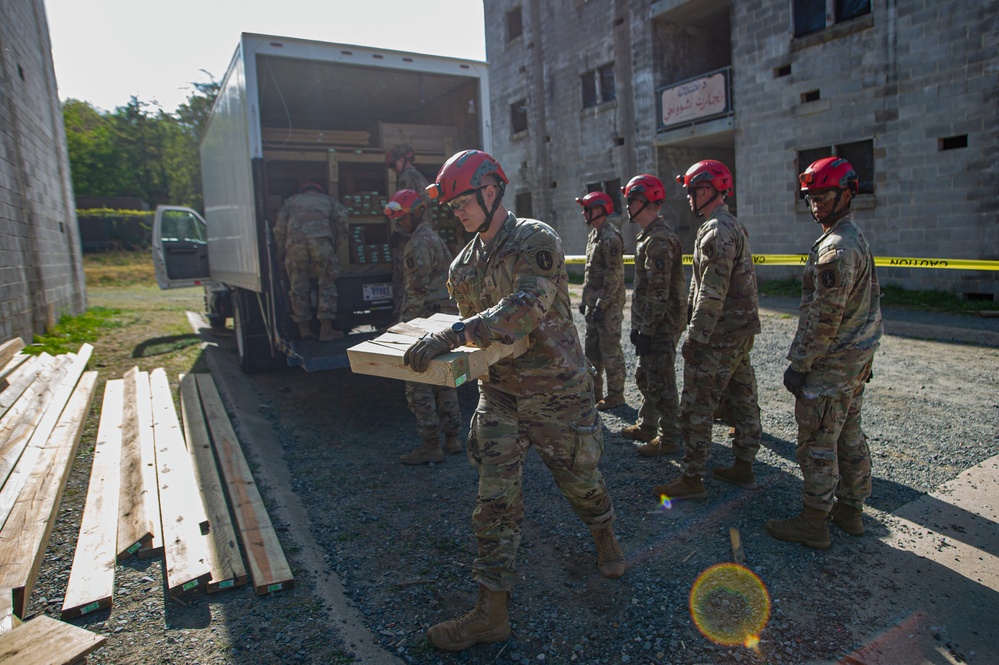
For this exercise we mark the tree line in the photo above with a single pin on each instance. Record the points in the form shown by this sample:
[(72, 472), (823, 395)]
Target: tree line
[(139, 150)]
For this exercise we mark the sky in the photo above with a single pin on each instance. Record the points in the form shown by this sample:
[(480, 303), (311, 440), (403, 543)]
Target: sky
[(105, 51)]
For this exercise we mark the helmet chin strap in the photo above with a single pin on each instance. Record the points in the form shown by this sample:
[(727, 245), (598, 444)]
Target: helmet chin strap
[(590, 220), (698, 209), (631, 217), (489, 213)]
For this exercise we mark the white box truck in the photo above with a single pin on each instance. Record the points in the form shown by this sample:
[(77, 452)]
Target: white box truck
[(290, 112)]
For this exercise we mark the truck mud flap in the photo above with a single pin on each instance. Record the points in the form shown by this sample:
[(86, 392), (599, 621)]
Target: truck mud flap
[(315, 356)]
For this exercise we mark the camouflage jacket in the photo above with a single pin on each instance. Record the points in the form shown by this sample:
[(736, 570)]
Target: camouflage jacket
[(310, 215), (425, 266), (513, 287), (839, 325), (412, 179), (658, 305), (603, 280), (723, 301)]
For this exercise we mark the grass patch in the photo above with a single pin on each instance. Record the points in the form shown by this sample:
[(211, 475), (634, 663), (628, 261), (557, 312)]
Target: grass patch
[(788, 287), (72, 331), (933, 301), (118, 268)]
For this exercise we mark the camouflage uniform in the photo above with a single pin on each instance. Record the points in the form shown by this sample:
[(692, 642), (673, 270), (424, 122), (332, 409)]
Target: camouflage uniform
[(603, 287), (307, 236), (514, 287), (724, 318), (658, 309), (839, 330), (425, 271), (410, 178)]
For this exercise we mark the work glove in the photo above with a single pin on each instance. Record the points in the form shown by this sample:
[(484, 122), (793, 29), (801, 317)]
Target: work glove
[(582, 308), (597, 315), (643, 344), (794, 381), (428, 347)]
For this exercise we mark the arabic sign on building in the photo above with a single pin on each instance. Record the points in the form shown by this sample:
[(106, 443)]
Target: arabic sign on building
[(695, 99)]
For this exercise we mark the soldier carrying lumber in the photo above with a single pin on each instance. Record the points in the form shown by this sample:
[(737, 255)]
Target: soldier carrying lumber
[(510, 283)]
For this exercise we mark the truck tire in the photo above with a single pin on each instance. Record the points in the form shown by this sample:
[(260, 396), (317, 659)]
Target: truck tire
[(252, 347)]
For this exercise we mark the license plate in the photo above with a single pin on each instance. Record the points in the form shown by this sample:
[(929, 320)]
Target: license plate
[(373, 292)]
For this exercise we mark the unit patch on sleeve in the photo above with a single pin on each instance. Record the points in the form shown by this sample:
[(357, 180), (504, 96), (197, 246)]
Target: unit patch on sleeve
[(544, 259), (411, 263), (828, 278)]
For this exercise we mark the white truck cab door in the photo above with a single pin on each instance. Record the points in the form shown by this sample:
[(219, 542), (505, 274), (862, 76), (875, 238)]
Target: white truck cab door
[(180, 248)]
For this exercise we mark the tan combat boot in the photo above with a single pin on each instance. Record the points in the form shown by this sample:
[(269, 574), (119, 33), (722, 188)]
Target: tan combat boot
[(610, 402), (740, 473), (610, 558), (305, 331), (598, 387), (429, 451), (453, 444), (808, 528), (847, 518), (636, 433), (684, 487), (327, 333), (486, 622), (657, 447)]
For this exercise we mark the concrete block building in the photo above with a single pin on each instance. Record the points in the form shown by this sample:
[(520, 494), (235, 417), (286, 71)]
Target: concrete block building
[(587, 93), (41, 271)]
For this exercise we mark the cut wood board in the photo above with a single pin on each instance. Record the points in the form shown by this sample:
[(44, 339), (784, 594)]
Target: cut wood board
[(11, 366), (183, 515), (383, 356), (19, 380), (46, 641), (268, 565), (91, 579), (147, 447), (26, 533), (223, 550), (9, 349), (24, 415), (135, 519)]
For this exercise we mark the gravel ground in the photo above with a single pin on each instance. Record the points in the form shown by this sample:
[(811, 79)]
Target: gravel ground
[(399, 539)]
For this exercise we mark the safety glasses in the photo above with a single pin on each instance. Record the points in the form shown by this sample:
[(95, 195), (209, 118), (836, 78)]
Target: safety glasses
[(821, 197)]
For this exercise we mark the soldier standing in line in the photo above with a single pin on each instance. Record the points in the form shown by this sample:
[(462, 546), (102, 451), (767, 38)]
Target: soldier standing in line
[(425, 267), (602, 304), (658, 314), (307, 237), (400, 159), (839, 331), (724, 320), (510, 283)]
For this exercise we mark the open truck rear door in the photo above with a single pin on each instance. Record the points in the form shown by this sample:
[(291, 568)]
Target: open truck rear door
[(180, 248)]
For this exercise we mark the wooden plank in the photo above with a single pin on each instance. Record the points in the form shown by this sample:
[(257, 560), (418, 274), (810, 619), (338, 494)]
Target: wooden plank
[(19, 380), (135, 524), (383, 356), (91, 579), (26, 533), (223, 549), (26, 412), (10, 367), (183, 514), (738, 552), (46, 641), (268, 565), (9, 349), (422, 138), (8, 621), (147, 448), (32, 451)]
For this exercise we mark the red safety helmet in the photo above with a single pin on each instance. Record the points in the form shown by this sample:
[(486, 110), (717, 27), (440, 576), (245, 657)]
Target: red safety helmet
[(597, 199), (404, 202), (830, 172), (649, 185), (465, 172), (311, 187), (399, 151), (709, 170)]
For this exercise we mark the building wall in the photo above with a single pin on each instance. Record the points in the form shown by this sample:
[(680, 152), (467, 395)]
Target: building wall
[(41, 274), (905, 77)]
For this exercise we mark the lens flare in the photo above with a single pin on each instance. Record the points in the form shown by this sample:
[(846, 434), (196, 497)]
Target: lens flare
[(664, 502), (730, 605)]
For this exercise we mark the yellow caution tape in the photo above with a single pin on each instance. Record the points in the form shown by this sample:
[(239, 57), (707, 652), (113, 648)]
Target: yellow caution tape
[(799, 260)]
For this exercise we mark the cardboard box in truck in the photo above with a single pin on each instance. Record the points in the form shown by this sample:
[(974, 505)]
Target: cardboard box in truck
[(290, 112)]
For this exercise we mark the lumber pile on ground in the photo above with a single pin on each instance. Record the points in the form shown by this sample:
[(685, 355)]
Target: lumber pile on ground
[(45, 641), (383, 356)]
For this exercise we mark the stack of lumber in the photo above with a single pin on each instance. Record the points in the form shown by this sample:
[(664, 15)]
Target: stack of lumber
[(383, 356), (156, 490), (306, 139), (44, 402)]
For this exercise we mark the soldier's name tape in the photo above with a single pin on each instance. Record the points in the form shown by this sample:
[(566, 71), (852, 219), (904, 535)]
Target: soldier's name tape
[(799, 260)]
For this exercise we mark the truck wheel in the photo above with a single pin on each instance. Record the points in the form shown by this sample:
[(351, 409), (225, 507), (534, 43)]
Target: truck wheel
[(252, 347)]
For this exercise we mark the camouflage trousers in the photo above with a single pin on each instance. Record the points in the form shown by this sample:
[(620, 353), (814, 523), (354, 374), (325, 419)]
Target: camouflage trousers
[(565, 430), (307, 259), (721, 370), (656, 379), (435, 407), (602, 345), (832, 449)]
